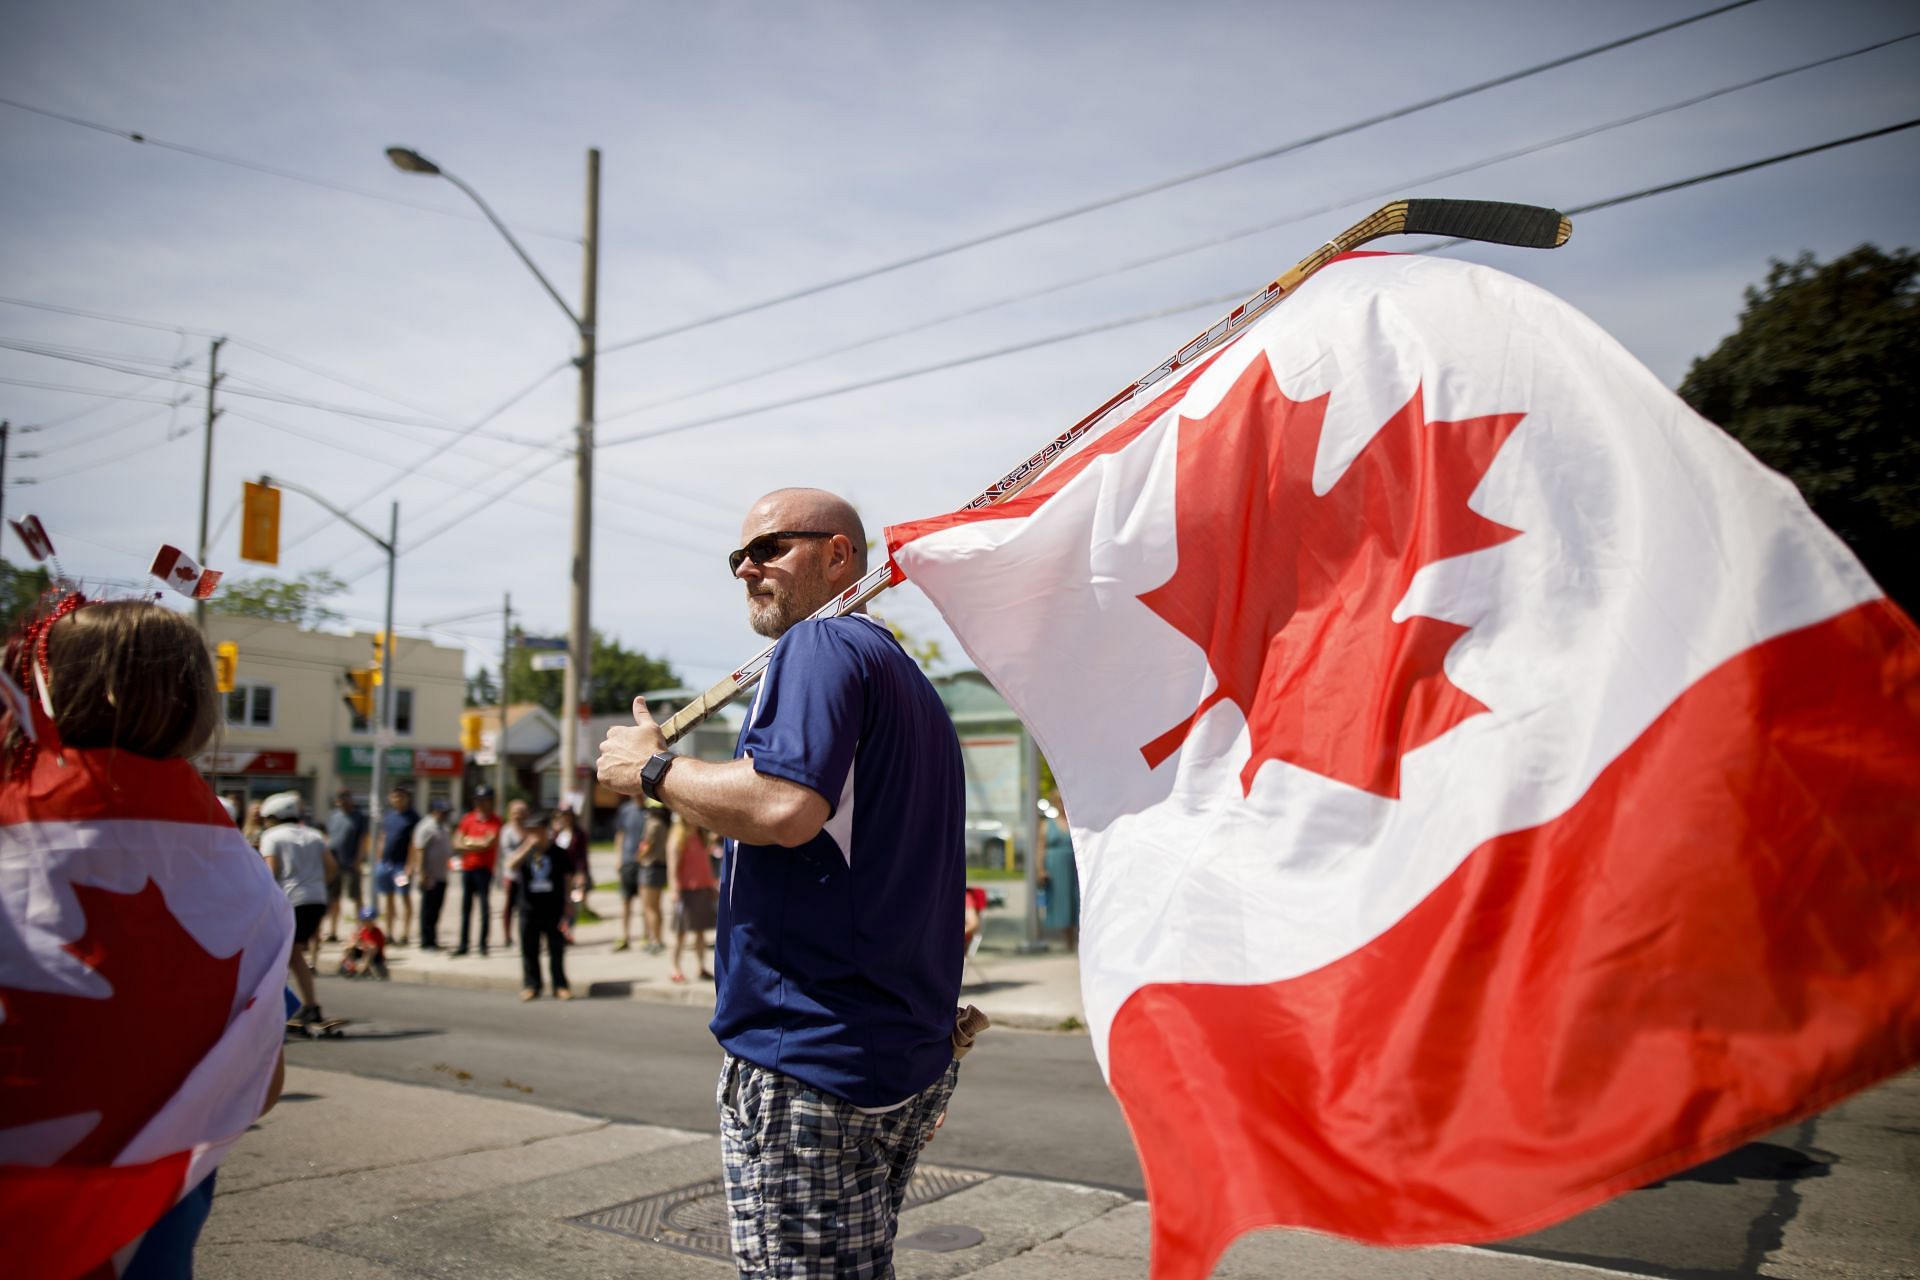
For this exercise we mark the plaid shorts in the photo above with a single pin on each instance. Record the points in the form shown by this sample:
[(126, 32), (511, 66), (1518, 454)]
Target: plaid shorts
[(814, 1185)]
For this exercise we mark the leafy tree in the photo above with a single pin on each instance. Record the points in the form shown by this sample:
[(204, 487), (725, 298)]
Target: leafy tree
[(925, 652), (481, 689), (618, 675), (1822, 382), (20, 589), (302, 601)]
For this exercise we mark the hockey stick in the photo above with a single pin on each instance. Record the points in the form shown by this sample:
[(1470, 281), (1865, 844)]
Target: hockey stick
[(1491, 222)]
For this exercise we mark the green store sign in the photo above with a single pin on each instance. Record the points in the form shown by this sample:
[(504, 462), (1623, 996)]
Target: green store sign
[(360, 760), (402, 762)]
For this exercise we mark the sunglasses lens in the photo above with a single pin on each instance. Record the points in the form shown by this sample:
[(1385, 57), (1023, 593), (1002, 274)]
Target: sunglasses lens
[(760, 550)]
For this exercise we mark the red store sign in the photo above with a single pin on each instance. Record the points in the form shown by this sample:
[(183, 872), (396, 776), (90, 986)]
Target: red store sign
[(249, 762), (438, 762)]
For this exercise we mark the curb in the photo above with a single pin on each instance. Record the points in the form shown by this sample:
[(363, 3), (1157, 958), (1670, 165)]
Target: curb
[(644, 989)]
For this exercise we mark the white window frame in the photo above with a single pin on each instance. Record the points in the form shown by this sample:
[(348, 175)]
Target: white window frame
[(246, 721), (365, 729)]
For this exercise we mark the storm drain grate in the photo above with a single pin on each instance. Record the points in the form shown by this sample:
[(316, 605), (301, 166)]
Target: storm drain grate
[(694, 1219)]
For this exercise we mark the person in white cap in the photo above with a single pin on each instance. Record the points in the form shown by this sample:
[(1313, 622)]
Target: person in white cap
[(300, 860)]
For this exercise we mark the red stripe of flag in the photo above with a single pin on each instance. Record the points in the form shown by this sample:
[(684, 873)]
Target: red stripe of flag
[(1720, 937)]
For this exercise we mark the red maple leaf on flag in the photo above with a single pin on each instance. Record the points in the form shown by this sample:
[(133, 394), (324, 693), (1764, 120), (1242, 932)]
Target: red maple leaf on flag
[(125, 1055), (1292, 594)]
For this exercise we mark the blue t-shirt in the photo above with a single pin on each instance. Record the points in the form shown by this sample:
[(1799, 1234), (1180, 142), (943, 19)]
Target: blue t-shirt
[(396, 831), (838, 962)]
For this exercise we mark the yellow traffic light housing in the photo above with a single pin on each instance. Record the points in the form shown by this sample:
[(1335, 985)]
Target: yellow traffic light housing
[(226, 661), (260, 523), (380, 648), (360, 694), (471, 723)]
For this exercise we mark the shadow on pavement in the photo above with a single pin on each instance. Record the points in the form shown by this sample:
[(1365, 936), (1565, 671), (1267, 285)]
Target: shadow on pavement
[(1755, 1162)]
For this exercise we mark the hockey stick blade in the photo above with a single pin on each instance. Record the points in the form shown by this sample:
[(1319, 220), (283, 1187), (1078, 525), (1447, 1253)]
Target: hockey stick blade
[(1525, 225)]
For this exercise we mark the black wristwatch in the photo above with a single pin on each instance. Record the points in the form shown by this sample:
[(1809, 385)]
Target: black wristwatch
[(654, 772)]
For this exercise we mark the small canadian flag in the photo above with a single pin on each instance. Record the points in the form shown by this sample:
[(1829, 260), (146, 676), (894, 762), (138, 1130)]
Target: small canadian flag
[(177, 569), (39, 545)]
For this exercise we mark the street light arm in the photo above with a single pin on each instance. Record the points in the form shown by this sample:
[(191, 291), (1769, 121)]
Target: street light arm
[(379, 541), (501, 227)]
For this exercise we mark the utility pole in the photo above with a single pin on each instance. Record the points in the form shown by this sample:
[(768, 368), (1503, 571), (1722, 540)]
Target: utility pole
[(577, 679), (6, 428), (206, 471), (506, 666)]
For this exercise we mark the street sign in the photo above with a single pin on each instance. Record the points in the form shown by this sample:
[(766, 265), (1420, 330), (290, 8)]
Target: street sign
[(542, 642), (549, 661), (260, 523)]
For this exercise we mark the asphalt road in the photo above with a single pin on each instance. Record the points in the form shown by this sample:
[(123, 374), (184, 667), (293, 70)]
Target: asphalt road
[(1033, 1103)]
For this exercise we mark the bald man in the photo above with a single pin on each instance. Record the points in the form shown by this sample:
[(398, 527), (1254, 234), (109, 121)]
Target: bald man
[(841, 923)]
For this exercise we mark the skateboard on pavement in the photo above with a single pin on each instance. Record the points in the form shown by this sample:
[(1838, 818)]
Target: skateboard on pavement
[(328, 1028)]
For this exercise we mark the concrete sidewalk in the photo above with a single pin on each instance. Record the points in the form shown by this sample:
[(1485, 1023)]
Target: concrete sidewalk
[(358, 1179), (1039, 990)]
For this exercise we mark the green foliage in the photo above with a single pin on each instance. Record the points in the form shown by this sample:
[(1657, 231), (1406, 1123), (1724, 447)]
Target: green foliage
[(481, 689), (1822, 382), (21, 589), (618, 675), (302, 601), (925, 652)]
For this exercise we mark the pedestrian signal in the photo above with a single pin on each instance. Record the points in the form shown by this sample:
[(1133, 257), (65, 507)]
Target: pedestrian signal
[(470, 722), (360, 693), (226, 661), (260, 523)]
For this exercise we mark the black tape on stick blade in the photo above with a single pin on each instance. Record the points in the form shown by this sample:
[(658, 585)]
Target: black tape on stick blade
[(1490, 221)]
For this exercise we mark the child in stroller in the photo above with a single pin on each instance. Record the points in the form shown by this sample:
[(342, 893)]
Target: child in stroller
[(366, 956)]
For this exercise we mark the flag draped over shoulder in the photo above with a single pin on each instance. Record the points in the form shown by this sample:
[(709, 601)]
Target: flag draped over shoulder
[(1493, 790), (143, 953)]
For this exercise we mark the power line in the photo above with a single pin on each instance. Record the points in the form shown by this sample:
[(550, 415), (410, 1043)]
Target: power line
[(1749, 167), (265, 391), (441, 450), (82, 391), (254, 165), (940, 366), (918, 371), (186, 330), (1167, 184), (94, 465), (138, 421), (1155, 259), (1589, 207), (108, 316)]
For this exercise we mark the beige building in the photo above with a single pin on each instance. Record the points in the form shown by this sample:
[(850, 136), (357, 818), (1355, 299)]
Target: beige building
[(287, 726)]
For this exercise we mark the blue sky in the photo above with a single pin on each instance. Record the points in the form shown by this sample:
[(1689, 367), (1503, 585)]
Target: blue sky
[(754, 149)]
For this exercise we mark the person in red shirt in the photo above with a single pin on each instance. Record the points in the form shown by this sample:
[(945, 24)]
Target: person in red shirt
[(476, 848)]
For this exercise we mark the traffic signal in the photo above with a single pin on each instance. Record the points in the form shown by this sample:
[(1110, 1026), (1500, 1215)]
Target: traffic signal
[(360, 693), (260, 523), (470, 723), (226, 661), (379, 656)]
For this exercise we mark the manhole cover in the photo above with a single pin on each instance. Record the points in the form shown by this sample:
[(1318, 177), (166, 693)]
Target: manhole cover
[(694, 1219), (942, 1239)]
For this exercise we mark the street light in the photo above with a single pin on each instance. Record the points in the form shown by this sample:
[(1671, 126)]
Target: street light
[(579, 630), (383, 729)]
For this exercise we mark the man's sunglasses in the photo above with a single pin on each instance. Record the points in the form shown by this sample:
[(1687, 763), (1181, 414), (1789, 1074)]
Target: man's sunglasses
[(769, 546)]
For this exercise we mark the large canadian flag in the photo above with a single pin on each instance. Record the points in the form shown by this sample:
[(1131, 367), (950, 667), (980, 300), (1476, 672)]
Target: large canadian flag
[(1492, 789), (143, 954)]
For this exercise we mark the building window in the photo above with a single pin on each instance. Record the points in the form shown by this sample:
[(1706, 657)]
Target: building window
[(402, 713), (250, 706)]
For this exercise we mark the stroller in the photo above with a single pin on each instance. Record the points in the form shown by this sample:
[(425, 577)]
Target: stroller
[(366, 956)]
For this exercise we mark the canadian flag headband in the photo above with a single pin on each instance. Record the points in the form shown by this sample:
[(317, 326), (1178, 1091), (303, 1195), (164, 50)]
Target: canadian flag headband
[(26, 669)]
